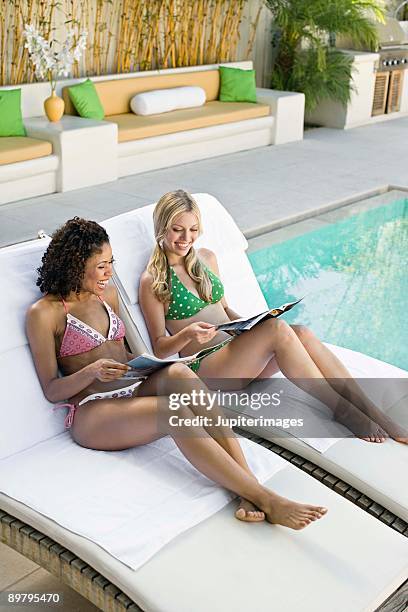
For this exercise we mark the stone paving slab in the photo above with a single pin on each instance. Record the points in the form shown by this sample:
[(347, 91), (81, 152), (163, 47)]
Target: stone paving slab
[(261, 188)]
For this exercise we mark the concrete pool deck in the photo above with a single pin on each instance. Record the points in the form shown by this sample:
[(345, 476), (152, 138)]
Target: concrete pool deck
[(263, 189)]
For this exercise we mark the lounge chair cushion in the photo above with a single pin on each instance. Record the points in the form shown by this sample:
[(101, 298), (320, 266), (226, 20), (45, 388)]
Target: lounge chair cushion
[(135, 127), (130, 502), (28, 417), (21, 148), (334, 565)]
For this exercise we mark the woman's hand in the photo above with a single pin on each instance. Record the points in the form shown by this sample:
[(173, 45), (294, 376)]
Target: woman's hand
[(107, 369), (200, 332)]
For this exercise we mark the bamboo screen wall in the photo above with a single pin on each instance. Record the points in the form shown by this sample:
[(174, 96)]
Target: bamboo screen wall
[(131, 35)]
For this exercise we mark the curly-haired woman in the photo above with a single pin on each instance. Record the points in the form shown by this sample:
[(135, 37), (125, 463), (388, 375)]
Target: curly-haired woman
[(76, 328), (181, 291)]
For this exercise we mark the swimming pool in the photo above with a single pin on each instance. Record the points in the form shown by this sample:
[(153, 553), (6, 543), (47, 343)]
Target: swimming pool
[(354, 276)]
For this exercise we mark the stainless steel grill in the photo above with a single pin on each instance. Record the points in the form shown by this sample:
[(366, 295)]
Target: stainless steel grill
[(393, 46)]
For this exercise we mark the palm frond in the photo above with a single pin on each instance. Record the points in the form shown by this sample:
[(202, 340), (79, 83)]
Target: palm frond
[(331, 79), (354, 18), (318, 71)]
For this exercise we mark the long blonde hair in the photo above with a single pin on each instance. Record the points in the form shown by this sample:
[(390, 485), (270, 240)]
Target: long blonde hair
[(166, 210)]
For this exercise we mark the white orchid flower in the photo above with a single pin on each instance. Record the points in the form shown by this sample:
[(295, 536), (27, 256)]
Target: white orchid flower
[(49, 63)]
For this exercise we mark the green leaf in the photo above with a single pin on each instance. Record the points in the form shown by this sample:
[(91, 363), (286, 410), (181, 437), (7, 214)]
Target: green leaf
[(303, 61)]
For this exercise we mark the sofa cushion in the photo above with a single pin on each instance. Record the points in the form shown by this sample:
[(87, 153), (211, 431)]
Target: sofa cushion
[(21, 148), (237, 85), (86, 100), (11, 120), (135, 127), (167, 100), (115, 94)]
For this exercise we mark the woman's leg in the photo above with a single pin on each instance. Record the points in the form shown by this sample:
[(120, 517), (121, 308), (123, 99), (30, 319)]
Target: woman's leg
[(124, 423), (178, 378), (247, 356), (343, 383)]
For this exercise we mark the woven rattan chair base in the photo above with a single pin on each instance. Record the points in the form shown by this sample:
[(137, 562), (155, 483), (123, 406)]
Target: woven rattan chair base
[(63, 564)]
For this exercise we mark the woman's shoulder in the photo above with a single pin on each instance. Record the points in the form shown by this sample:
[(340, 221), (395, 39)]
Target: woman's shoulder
[(45, 308), (206, 255), (146, 279), (208, 258)]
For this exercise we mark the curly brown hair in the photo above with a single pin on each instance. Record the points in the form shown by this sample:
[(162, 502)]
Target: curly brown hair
[(63, 263)]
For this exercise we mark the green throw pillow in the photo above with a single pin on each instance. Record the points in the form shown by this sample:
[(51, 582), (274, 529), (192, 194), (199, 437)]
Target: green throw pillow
[(11, 120), (237, 85), (86, 100)]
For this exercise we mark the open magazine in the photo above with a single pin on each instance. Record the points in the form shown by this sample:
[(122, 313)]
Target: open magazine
[(237, 326), (145, 364)]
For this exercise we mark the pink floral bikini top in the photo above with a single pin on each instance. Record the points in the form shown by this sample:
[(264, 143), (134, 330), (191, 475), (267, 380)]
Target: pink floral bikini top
[(80, 338)]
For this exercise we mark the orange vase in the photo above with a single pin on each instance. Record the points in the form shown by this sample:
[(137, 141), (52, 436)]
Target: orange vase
[(54, 107)]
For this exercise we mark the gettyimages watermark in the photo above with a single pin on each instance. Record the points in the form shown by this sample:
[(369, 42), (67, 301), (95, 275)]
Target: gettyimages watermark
[(311, 408), (208, 401)]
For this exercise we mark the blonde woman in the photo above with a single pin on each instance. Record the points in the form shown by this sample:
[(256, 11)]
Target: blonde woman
[(181, 291)]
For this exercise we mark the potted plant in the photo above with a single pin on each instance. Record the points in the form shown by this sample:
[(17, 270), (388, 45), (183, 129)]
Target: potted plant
[(50, 64), (305, 58)]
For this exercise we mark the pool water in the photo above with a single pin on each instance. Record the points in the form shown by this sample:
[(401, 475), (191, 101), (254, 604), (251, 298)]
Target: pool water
[(354, 274)]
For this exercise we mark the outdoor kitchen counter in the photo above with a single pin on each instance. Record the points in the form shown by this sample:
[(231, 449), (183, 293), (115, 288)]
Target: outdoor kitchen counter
[(358, 111), (380, 81)]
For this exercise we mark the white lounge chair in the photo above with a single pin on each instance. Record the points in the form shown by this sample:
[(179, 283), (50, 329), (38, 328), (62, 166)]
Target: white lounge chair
[(347, 561), (376, 470)]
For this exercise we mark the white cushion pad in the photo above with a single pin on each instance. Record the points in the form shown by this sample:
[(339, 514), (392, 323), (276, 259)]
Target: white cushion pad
[(28, 417), (154, 493), (166, 100), (347, 561)]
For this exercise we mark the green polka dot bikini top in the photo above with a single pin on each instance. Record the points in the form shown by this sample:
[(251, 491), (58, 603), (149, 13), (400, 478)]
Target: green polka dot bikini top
[(185, 304)]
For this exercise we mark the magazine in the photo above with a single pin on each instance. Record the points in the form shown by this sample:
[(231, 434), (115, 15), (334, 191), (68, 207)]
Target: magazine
[(237, 326), (145, 364)]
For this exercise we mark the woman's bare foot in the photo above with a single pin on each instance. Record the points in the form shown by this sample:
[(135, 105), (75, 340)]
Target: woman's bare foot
[(372, 425), (377, 435), (247, 511), (360, 424), (281, 511), (394, 431)]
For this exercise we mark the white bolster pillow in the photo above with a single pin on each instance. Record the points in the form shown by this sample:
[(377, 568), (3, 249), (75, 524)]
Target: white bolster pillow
[(165, 100)]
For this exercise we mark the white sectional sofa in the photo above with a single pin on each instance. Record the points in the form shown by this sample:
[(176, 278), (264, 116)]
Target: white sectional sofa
[(156, 141), (88, 152), (28, 166)]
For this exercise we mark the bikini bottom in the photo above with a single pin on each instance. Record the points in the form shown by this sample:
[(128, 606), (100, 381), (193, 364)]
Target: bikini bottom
[(194, 365), (123, 393)]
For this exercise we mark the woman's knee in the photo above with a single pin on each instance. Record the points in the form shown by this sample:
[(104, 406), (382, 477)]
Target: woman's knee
[(180, 371), (282, 333), (174, 415), (304, 334)]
